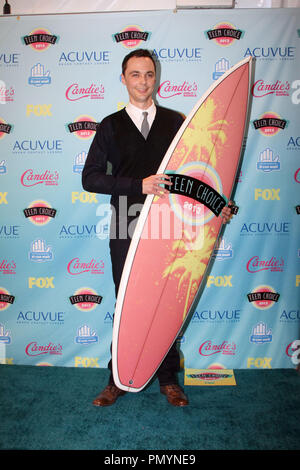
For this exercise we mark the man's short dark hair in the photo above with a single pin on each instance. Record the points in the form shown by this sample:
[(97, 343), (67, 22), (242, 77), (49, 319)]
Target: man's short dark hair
[(137, 53)]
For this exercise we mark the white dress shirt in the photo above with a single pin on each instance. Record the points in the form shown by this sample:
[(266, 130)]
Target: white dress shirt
[(136, 114)]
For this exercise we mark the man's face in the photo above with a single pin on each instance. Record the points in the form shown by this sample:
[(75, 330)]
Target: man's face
[(139, 78)]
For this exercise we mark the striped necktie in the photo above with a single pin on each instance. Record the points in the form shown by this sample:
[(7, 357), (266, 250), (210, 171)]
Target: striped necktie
[(145, 126)]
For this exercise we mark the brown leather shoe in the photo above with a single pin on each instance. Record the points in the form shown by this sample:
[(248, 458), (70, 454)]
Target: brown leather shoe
[(175, 395), (108, 396)]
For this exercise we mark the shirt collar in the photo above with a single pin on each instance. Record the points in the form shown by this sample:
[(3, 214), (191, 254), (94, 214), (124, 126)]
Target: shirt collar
[(137, 113)]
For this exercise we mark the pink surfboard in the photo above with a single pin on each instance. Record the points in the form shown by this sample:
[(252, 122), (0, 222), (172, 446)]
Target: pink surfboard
[(176, 234)]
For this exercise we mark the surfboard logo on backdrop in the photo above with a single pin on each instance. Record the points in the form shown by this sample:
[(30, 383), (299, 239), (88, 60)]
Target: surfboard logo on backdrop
[(40, 39), (196, 193), (224, 34), (269, 124), (131, 36)]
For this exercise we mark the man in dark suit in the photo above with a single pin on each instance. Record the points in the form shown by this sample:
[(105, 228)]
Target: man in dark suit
[(133, 145)]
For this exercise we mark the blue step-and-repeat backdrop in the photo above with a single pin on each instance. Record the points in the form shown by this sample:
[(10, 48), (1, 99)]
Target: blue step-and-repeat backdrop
[(59, 76)]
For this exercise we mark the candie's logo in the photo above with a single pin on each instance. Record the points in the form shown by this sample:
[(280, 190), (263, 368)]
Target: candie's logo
[(255, 264), (40, 39), (76, 266), (83, 127), (269, 124), (4, 128), (34, 349), (85, 299), (208, 348), (263, 297), (293, 351), (168, 89), (6, 299), (75, 92), (7, 267), (31, 178), (261, 88), (39, 212), (6, 93), (224, 34), (131, 36)]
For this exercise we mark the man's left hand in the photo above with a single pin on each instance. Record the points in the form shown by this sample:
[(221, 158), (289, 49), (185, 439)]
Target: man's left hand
[(226, 213)]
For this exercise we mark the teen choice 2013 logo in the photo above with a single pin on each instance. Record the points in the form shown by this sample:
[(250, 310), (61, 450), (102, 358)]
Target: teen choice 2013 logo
[(83, 127), (196, 193), (4, 128), (40, 39), (131, 36), (224, 34), (269, 124), (39, 212), (6, 299), (85, 299), (263, 297)]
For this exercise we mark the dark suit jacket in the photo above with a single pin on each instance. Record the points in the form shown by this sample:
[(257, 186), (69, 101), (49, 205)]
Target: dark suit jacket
[(120, 158)]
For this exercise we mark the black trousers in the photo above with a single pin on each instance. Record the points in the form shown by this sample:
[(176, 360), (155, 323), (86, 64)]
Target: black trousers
[(167, 372)]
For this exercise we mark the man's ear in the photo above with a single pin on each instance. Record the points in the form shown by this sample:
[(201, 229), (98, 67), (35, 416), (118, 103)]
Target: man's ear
[(123, 79)]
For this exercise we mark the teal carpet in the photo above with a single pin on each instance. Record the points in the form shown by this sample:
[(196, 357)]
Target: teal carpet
[(50, 408)]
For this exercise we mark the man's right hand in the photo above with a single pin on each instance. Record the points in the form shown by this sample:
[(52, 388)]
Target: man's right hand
[(152, 184)]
